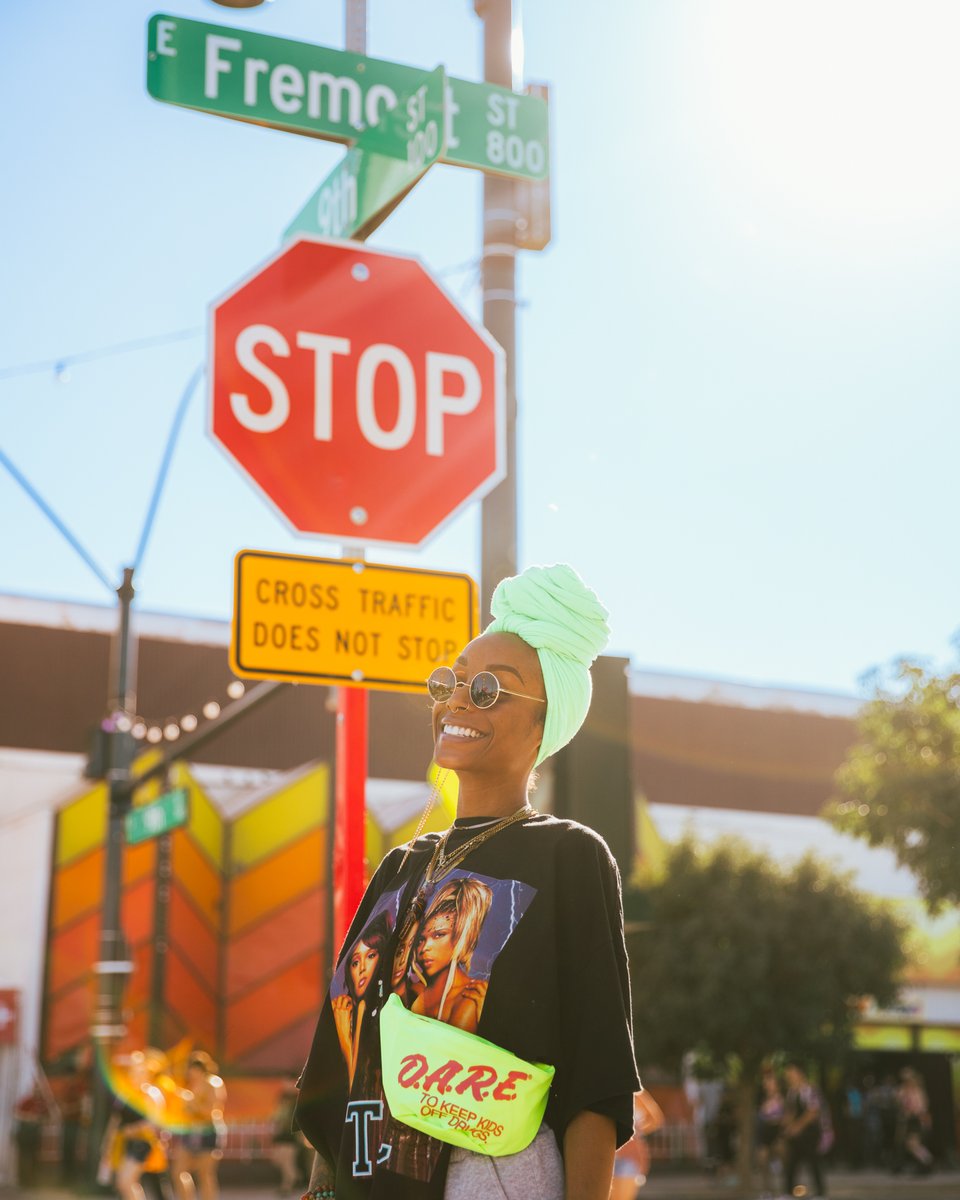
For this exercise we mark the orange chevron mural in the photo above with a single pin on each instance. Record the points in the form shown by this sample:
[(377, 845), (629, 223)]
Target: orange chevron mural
[(225, 920), (277, 947)]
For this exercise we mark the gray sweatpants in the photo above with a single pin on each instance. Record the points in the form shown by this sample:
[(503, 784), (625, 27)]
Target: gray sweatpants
[(534, 1174)]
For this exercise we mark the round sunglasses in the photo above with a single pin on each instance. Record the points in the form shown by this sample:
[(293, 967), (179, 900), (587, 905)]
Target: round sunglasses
[(484, 688)]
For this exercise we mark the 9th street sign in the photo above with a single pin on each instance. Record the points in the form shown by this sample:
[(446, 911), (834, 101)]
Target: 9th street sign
[(376, 173), (333, 94), (336, 621)]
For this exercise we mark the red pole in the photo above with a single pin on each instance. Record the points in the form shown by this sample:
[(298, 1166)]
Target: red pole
[(350, 811)]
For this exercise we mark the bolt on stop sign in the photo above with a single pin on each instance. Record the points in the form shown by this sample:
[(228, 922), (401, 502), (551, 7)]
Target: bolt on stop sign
[(354, 392)]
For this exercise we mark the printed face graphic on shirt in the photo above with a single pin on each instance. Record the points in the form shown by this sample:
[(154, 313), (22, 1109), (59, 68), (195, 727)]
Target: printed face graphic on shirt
[(446, 987), (435, 945), (363, 964), (401, 958)]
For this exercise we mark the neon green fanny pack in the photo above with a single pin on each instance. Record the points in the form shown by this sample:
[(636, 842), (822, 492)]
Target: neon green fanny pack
[(457, 1087)]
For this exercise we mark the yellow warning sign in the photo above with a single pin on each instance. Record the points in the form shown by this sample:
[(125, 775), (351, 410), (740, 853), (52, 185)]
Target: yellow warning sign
[(343, 621)]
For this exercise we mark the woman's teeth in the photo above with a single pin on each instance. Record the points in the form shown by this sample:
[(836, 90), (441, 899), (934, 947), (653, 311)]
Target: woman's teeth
[(459, 731)]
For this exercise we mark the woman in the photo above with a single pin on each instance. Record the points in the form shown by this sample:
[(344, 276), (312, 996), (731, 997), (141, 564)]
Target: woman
[(196, 1152), (133, 1150), (802, 1128), (549, 945), (445, 946), (770, 1114), (350, 1008), (913, 1122)]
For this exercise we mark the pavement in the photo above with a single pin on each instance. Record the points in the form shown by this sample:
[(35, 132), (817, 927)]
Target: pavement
[(664, 1184), (842, 1185)]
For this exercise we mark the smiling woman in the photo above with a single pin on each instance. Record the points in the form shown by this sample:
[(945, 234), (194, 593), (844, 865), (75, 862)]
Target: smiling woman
[(507, 943)]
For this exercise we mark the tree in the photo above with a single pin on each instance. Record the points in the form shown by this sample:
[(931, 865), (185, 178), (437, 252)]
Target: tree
[(900, 784), (742, 958)]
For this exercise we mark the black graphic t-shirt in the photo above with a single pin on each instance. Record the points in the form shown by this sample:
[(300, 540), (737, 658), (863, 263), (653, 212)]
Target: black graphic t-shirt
[(521, 944)]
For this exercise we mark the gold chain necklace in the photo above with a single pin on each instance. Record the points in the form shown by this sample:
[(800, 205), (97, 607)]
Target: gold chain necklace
[(441, 864)]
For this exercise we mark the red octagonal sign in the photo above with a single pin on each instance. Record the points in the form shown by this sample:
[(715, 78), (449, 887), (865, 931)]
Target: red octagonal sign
[(361, 400)]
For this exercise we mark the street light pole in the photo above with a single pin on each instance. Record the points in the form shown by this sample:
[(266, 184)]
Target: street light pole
[(498, 555), (113, 967)]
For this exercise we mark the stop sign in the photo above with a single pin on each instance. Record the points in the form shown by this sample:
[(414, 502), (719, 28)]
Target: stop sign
[(353, 391)]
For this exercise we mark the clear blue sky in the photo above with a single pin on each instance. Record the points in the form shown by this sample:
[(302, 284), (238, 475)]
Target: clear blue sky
[(739, 358)]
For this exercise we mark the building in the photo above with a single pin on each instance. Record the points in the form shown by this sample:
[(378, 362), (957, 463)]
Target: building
[(233, 910)]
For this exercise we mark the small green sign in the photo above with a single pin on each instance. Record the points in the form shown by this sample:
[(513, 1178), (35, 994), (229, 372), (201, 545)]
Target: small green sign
[(386, 162), (333, 94), (157, 817)]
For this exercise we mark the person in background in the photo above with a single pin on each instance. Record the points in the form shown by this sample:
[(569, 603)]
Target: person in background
[(801, 1129), (769, 1129), (284, 1147), (704, 1093), (853, 1124), (882, 1110), (74, 1116), (133, 1152), (196, 1152), (913, 1123), (724, 1136), (28, 1116), (872, 1124), (632, 1164)]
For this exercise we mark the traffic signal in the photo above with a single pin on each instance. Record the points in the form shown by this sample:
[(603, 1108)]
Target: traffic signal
[(109, 750)]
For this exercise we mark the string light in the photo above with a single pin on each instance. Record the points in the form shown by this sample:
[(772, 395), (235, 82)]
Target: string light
[(170, 730)]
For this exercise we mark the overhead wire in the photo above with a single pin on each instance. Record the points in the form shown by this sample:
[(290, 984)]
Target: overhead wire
[(56, 520), (63, 361)]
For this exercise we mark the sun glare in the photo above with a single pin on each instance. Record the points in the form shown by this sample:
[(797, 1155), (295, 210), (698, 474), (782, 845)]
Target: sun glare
[(847, 110)]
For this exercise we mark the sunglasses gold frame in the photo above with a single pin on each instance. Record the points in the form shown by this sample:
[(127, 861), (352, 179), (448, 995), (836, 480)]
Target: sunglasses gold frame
[(468, 684)]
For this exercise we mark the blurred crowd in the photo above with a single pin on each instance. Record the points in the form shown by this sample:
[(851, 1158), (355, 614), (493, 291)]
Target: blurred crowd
[(878, 1124)]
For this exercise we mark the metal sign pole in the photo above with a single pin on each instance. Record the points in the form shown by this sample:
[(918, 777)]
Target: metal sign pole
[(113, 968), (498, 556), (351, 740)]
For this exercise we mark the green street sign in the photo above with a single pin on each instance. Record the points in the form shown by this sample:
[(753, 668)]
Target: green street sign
[(386, 162), (335, 95), (157, 817), (497, 130)]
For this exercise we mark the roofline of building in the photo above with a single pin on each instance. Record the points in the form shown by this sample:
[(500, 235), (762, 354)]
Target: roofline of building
[(666, 685), (102, 618), (210, 631)]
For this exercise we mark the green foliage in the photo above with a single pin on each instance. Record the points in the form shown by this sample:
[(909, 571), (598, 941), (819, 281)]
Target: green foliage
[(900, 784), (743, 958)]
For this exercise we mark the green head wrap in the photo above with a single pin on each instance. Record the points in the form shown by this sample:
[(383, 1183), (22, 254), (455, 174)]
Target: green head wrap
[(554, 611)]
